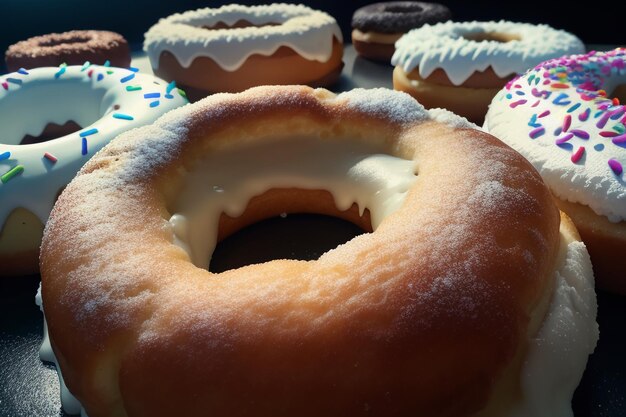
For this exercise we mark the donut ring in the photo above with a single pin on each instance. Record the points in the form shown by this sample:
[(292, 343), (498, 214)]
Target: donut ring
[(70, 48), (561, 116), (105, 100), (461, 66), (376, 27), (356, 327), (235, 47)]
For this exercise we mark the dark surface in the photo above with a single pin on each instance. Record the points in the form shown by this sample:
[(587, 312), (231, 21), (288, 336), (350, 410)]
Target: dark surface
[(29, 388)]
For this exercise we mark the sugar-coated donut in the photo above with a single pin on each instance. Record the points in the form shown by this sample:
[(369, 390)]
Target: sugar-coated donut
[(460, 66), (561, 116), (465, 297), (377, 27), (69, 48), (234, 47), (96, 103)]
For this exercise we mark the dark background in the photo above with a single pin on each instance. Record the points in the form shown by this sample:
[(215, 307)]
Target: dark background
[(21, 19)]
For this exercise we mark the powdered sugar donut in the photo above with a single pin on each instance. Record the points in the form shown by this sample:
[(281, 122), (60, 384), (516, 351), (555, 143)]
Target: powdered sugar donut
[(462, 65), (235, 47), (561, 116), (470, 295), (104, 101)]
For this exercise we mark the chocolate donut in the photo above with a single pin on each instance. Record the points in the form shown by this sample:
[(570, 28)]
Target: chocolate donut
[(71, 48), (378, 26)]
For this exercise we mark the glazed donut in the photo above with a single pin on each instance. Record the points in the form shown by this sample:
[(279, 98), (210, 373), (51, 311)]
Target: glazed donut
[(560, 115), (488, 307), (461, 66), (97, 103), (69, 48), (377, 27), (235, 47)]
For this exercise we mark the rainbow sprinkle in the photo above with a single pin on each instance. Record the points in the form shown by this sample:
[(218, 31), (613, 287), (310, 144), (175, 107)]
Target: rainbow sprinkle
[(22, 71), (133, 88), (16, 170), (127, 78), (576, 156), (61, 71), (84, 149), (5, 155), (615, 166), (123, 116), (88, 132), (50, 157)]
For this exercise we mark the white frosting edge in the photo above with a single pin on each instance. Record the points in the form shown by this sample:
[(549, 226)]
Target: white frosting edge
[(443, 46), (308, 32)]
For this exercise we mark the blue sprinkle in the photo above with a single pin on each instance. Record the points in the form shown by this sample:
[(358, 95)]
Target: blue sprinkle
[(561, 100), (88, 132), (152, 95), (509, 96), (598, 114), (574, 107), (168, 96), (133, 69), (170, 87), (100, 77), (86, 65), (60, 72), (128, 77), (520, 93), (107, 63), (22, 71), (558, 131), (533, 121), (5, 155), (14, 81), (84, 147), (154, 103), (599, 147), (123, 116)]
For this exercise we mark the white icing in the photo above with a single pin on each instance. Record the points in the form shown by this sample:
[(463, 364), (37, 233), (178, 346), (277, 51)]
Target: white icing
[(590, 181), (40, 97), (308, 32), (444, 46)]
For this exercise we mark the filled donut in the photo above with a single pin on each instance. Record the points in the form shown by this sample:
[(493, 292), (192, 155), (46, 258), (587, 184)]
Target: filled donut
[(376, 27), (53, 120), (70, 48), (565, 116), (461, 66), (470, 294), (234, 47)]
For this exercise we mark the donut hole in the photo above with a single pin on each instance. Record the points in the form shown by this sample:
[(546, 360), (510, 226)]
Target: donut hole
[(492, 37), (239, 24), (52, 42), (52, 131), (404, 8)]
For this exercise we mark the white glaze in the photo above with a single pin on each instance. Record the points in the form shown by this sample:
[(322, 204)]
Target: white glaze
[(514, 114), (308, 32), (86, 95), (444, 46)]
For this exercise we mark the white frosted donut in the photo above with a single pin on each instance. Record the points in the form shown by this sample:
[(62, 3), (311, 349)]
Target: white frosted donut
[(475, 59), (560, 115), (470, 295), (226, 41), (105, 101)]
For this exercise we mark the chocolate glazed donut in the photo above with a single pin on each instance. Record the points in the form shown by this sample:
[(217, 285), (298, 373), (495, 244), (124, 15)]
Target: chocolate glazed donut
[(377, 26), (71, 48)]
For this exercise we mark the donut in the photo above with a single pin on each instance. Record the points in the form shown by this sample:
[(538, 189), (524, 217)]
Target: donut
[(470, 292), (71, 48), (560, 115), (234, 47), (86, 106), (377, 27), (461, 66)]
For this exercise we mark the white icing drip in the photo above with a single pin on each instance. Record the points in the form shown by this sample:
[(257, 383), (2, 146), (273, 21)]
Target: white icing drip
[(350, 171), (444, 46), (308, 32), (41, 98)]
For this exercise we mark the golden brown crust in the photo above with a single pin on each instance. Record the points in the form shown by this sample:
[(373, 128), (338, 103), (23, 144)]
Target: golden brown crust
[(285, 66), (421, 316), (606, 243)]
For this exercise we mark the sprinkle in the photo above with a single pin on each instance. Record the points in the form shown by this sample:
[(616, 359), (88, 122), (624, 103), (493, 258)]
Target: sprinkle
[(564, 139), (580, 133), (182, 93), (61, 70), (90, 73), (509, 96), (86, 65), (533, 121), (168, 96), (559, 85), (170, 87), (88, 132), (152, 95), (602, 122), (574, 107), (608, 134), (567, 122), (127, 78), (535, 104), (107, 63), (617, 113), (50, 157), (576, 156), (584, 115), (616, 101), (615, 166), (133, 69), (599, 147), (536, 132), (15, 81), (154, 103), (100, 77), (16, 170), (544, 114), (561, 100), (110, 72), (133, 88), (123, 116), (84, 146), (5, 85), (5, 155), (520, 93), (618, 140)]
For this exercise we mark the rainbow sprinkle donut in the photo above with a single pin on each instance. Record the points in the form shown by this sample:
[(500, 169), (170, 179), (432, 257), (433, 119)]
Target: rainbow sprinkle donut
[(565, 116), (104, 100)]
